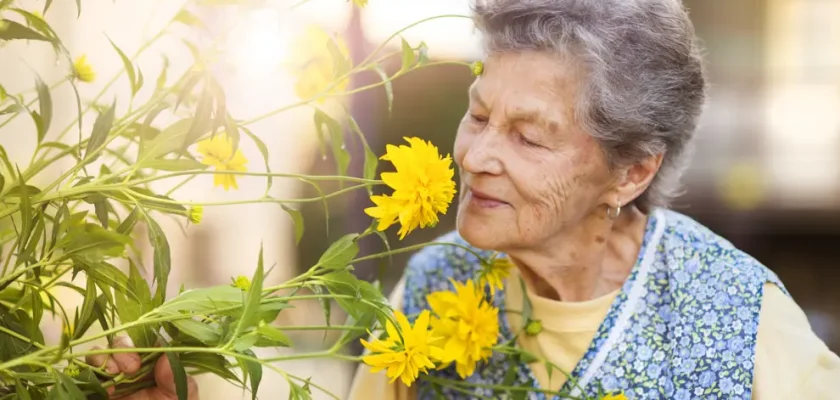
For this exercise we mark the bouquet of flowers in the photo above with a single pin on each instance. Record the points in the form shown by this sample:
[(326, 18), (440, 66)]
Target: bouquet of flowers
[(82, 224)]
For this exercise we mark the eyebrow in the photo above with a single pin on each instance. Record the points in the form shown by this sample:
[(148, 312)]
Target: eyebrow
[(531, 116)]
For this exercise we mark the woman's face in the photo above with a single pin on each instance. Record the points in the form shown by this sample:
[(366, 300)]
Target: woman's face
[(528, 171)]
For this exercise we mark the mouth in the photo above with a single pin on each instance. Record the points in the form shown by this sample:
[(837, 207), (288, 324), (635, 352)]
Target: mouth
[(484, 199)]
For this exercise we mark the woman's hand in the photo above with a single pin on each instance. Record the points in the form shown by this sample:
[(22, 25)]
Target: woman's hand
[(129, 363)]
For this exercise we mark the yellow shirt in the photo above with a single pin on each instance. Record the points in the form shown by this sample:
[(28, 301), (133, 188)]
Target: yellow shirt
[(791, 361)]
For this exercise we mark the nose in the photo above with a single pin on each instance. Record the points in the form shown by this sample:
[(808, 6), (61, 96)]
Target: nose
[(483, 153)]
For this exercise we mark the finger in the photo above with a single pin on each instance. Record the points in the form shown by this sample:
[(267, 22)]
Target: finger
[(165, 380), (104, 361), (128, 363)]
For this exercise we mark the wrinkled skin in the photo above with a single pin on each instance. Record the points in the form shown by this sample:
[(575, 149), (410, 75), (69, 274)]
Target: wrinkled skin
[(520, 144)]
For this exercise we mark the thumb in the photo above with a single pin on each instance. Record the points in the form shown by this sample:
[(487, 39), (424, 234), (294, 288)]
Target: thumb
[(165, 381)]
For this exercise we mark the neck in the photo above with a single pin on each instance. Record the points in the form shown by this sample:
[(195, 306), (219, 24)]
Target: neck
[(587, 261)]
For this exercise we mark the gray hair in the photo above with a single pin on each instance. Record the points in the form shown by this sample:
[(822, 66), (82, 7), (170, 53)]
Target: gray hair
[(646, 86)]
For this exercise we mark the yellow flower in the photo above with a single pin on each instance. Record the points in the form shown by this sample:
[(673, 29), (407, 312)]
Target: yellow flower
[(195, 215), (494, 273), (467, 325), (477, 68), (618, 396), (82, 70), (423, 187), (242, 282), (218, 153), (313, 65), (360, 3), (71, 370), (407, 356)]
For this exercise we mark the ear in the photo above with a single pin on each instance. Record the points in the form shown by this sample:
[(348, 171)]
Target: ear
[(636, 179)]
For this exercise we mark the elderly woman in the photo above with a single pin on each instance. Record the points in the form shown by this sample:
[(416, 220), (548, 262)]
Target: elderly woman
[(572, 147)]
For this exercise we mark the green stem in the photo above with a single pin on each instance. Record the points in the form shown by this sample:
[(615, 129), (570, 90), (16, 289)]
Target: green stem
[(417, 247), (263, 174), (254, 201)]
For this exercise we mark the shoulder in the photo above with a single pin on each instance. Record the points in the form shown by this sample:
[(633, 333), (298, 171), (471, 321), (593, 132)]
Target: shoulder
[(788, 370), (702, 249), (447, 257)]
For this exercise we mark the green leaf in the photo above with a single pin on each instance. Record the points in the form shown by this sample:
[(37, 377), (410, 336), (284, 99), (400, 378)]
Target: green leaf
[(69, 388), (170, 139), (78, 8), (14, 108), (202, 121), (12, 30), (140, 80), (422, 54), (254, 372), (198, 330), (101, 128), (297, 219), (45, 102), (187, 18), (161, 258), (345, 283), (389, 88), (87, 308), (21, 391), (371, 161), (341, 64), (273, 337), (161, 79), (245, 341), (127, 225), (25, 215), (178, 374), (340, 253), (5, 4), (408, 58), (101, 209), (340, 153), (39, 124), (250, 312), (181, 164), (264, 152), (189, 84), (208, 362), (129, 68), (2, 183)]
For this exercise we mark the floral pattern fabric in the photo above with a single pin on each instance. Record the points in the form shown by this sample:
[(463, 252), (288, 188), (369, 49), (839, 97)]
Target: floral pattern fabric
[(683, 327)]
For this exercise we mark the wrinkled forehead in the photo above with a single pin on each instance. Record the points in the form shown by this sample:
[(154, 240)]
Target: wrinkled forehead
[(528, 82)]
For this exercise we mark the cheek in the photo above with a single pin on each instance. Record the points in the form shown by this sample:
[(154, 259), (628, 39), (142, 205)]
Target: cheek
[(463, 138)]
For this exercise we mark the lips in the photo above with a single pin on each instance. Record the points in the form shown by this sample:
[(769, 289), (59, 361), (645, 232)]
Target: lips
[(484, 196)]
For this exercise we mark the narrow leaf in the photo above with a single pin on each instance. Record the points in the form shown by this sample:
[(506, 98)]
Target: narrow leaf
[(340, 153), (101, 209), (181, 164), (371, 161), (161, 258), (161, 79), (264, 152), (13, 30), (178, 374), (407, 56), (127, 225), (250, 312), (101, 128), (389, 88), (297, 219), (340, 253), (129, 68), (45, 102), (254, 372)]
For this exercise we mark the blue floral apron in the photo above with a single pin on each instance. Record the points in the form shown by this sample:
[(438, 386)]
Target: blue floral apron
[(683, 326)]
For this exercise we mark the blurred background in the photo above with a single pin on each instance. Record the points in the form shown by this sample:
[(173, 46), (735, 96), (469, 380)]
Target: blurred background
[(766, 172)]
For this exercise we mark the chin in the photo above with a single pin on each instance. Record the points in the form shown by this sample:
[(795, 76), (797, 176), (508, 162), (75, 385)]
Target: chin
[(485, 235)]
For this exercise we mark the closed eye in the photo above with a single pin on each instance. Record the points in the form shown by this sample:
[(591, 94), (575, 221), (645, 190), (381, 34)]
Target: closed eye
[(477, 118)]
